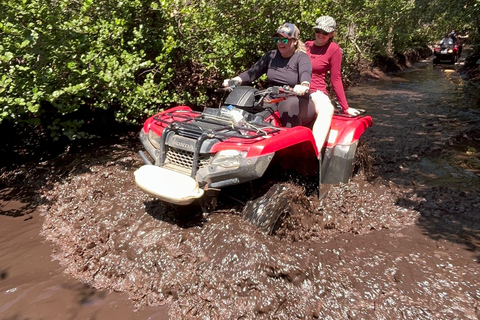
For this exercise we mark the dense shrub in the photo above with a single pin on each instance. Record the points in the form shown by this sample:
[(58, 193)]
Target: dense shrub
[(61, 58)]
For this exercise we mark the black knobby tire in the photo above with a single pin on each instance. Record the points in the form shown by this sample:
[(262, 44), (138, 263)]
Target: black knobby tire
[(268, 211)]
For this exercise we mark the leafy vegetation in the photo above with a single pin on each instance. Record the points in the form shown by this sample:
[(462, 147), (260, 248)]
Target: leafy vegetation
[(63, 62)]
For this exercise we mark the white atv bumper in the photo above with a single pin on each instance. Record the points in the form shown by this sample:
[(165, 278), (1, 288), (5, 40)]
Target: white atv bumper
[(169, 186)]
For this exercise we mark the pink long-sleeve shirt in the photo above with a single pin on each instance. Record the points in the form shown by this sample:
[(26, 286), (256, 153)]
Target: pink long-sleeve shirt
[(324, 59)]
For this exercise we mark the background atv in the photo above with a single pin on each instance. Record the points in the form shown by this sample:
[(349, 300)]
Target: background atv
[(192, 156), (446, 53)]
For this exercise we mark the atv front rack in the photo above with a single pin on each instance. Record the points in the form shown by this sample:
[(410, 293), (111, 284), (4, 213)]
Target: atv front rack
[(199, 127), (218, 127)]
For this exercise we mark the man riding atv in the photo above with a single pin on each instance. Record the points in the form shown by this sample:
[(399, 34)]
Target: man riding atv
[(447, 51), (447, 41)]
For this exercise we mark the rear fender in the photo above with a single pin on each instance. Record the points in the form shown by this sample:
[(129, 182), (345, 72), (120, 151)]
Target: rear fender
[(342, 143), (347, 130), (337, 163)]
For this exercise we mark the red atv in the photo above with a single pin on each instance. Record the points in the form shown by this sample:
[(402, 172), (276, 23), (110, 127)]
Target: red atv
[(193, 155), (446, 53)]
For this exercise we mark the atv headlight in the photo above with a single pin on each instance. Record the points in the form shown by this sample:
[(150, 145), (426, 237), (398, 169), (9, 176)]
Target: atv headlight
[(154, 139), (228, 158), (450, 50)]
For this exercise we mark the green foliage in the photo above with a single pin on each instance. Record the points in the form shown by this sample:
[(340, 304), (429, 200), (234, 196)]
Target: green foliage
[(134, 57), (68, 54)]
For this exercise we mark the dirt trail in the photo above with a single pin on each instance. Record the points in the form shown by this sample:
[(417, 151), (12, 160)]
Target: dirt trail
[(399, 243)]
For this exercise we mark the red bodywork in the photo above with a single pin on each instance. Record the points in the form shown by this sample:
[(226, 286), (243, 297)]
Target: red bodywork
[(193, 155), (448, 53), (454, 49), (344, 130)]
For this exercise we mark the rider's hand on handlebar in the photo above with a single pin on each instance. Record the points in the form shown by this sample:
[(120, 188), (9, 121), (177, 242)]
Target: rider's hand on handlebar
[(353, 111), (300, 90), (232, 82)]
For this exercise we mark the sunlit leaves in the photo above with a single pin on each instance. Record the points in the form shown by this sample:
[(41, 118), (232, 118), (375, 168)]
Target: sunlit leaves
[(138, 56)]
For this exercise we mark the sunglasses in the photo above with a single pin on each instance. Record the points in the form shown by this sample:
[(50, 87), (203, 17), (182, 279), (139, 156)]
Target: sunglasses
[(325, 33), (278, 39)]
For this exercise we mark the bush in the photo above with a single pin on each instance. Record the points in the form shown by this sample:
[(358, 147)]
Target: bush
[(134, 57)]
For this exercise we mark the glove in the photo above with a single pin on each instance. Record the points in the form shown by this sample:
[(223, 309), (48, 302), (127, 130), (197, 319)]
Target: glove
[(232, 82), (353, 112), (300, 90)]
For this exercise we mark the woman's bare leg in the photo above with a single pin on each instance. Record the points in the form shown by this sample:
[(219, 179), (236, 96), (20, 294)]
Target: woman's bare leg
[(324, 110)]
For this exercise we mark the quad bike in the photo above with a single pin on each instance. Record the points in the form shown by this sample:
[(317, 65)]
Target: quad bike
[(446, 53), (193, 156)]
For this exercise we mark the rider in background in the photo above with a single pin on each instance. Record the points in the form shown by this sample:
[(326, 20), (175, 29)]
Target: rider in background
[(453, 36), (326, 56), (458, 40), (446, 41), (288, 64)]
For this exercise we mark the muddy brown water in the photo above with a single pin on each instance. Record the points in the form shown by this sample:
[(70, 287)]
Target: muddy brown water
[(78, 239)]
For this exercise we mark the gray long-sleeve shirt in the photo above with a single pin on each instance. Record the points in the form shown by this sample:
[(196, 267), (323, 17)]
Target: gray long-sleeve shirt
[(280, 71)]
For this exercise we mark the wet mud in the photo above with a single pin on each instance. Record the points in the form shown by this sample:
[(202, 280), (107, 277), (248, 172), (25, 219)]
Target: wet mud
[(219, 267), (399, 241)]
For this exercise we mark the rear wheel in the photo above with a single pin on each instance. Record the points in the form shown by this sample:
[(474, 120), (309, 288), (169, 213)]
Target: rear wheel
[(268, 211)]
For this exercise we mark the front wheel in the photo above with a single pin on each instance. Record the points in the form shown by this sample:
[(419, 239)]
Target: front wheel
[(268, 211)]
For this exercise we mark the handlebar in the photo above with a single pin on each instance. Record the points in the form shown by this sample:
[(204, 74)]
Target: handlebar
[(280, 90), (287, 90)]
